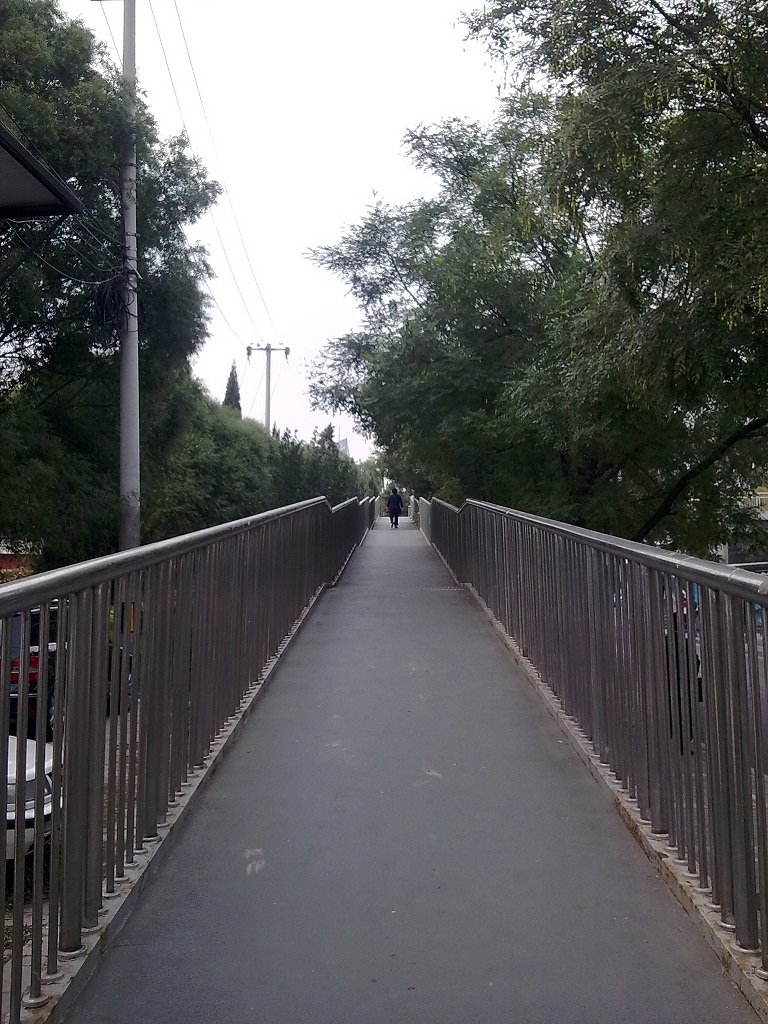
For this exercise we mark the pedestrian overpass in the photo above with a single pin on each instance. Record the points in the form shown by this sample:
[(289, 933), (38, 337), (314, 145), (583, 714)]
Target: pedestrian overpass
[(484, 768)]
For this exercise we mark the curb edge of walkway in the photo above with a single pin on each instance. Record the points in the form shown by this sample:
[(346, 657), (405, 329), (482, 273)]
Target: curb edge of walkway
[(118, 909), (737, 965)]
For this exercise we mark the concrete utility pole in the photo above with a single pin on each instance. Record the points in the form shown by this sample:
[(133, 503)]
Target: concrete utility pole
[(269, 350), (130, 468)]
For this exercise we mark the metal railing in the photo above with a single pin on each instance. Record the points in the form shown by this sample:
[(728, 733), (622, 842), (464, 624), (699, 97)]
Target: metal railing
[(661, 659), (424, 517), (128, 666)]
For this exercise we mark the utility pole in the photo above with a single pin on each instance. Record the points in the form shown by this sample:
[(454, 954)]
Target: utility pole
[(130, 468), (268, 349)]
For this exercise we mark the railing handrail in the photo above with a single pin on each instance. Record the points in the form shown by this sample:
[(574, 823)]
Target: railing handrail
[(734, 580), (124, 670), (42, 587), (660, 659)]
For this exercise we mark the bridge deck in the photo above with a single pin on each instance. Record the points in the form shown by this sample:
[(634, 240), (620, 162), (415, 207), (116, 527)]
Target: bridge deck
[(401, 835)]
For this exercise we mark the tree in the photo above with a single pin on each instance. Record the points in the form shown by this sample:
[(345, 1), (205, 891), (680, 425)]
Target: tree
[(61, 305), (60, 294), (232, 393), (576, 325)]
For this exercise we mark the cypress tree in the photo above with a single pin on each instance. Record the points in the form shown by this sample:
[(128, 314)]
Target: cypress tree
[(232, 393)]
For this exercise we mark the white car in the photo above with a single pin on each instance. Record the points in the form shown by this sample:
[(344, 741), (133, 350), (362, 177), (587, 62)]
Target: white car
[(29, 811)]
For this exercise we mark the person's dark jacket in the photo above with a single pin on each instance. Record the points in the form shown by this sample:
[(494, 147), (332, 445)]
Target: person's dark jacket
[(394, 504)]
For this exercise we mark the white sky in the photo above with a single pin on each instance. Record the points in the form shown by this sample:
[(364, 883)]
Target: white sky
[(307, 104)]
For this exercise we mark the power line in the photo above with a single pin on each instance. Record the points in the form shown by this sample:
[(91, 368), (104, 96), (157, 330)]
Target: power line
[(226, 190), (86, 259), (247, 256), (109, 29), (168, 67), (192, 67), (186, 130), (92, 226), (231, 270), (256, 392), (92, 241), (223, 314), (58, 270)]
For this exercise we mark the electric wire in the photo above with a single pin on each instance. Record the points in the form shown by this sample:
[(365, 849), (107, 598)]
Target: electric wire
[(168, 67), (224, 184), (82, 256), (58, 270), (231, 270), (223, 314), (109, 29), (186, 130), (192, 68), (256, 392), (76, 227), (93, 242)]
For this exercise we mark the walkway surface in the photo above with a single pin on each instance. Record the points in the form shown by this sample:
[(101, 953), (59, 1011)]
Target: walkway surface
[(400, 836)]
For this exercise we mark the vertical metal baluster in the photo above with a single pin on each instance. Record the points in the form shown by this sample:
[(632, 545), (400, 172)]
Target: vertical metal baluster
[(75, 790), (135, 616), (697, 852), (661, 800), (5, 691), (742, 835), (97, 700), (673, 710), (34, 996), (694, 792), (146, 806), (639, 666), (759, 649), (127, 709), (722, 875), (166, 625), (179, 679), (706, 742), (648, 799), (22, 718), (116, 599), (593, 666), (60, 684), (197, 728)]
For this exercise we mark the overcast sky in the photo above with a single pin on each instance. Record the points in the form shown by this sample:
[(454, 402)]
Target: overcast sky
[(300, 113)]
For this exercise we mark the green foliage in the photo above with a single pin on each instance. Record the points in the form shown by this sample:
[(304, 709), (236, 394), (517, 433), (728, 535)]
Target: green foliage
[(576, 325), (59, 374), (306, 470), (232, 393), (61, 304), (202, 465), (60, 473)]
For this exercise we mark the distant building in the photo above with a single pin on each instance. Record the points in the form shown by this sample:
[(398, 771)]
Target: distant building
[(732, 553), (12, 564)]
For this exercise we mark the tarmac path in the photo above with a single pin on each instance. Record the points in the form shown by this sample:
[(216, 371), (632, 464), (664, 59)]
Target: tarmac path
[(401, 836)]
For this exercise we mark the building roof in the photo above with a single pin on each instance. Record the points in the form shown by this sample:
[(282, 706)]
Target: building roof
[(27, 187)]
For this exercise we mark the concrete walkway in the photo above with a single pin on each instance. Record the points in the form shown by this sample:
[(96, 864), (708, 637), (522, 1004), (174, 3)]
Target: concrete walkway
[(401, 836)]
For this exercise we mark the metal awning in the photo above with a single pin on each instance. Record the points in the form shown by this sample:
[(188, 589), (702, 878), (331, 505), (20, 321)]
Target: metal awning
[(27, 187)]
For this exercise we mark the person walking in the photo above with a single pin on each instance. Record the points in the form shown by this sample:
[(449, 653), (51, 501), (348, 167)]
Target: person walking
[(394, 508)]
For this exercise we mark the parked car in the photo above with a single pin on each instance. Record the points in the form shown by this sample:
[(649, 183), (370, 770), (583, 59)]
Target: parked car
[(33, 664), (29, 803)]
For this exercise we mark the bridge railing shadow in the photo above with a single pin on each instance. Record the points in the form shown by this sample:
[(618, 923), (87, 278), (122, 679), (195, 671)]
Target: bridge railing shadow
[(122, 671), (661, 660)]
